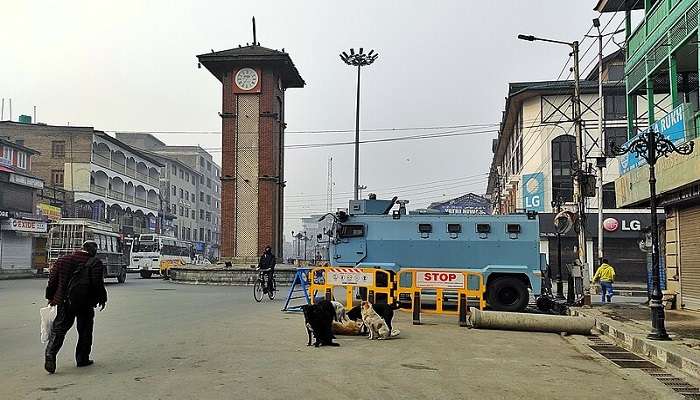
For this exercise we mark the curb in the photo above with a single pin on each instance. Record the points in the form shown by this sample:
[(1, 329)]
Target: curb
[(664, 355)]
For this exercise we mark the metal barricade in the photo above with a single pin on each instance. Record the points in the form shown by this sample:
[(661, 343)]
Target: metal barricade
[(379, 284), (413, 285)]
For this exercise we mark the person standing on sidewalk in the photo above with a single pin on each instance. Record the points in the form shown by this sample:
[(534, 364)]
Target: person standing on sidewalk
[(76, 286), (606, 275)]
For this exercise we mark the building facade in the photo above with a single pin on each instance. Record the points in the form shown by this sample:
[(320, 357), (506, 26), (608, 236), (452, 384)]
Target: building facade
[(22, 228), (535, 156), (662, 71), (194, 190), (100, 177)]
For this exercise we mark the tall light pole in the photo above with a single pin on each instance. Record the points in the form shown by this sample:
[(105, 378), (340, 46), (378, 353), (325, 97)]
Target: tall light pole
[(651, 146), (578, 193), (359, 60)]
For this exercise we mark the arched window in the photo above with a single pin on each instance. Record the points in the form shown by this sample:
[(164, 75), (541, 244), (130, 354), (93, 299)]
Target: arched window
[(563, 158)]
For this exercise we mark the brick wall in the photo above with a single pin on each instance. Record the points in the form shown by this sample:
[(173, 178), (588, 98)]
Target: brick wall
[(228, 169), (78, 145)]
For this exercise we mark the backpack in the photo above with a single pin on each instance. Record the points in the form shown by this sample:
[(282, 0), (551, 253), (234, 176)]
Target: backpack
[(79, 285)]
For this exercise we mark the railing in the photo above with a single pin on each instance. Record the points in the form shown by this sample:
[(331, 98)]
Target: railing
[(129, 198), (140, 202), (100, 160), (118, 167), (142, 177), (152, 205), (97, 189), (113, 194), (655, 18), (154, 181), (130, 173)]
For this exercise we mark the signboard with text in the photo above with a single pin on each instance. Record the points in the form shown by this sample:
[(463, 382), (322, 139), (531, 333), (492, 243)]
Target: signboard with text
[(349, 276), (533, 192), (22, 225), (440, 279), (671, 126)]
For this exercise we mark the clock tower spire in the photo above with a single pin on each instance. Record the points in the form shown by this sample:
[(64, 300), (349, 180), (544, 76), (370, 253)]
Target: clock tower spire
[(254, 80)]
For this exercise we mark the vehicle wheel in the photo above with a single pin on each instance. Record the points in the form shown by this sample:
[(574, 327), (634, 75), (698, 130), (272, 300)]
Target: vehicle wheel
[(507, 294), (258, 291), (271, 294), (145, 274), (122, 277)]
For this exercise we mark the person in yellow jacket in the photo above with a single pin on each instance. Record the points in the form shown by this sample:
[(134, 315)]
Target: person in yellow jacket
[(606, 275)]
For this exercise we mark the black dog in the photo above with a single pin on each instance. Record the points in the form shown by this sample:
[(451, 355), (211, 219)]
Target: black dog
[(319, 320), (386, 311)]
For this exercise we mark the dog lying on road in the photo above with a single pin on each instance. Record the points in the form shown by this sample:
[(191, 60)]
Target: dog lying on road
[(318, 319), (377, 327), (385, 311), (340, 315), (347, 328)]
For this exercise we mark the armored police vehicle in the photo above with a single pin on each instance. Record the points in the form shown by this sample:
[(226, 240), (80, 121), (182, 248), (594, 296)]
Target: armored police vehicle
[(503, 248)]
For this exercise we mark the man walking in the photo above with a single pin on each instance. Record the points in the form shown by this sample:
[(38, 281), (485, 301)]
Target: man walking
[(606, 275), (267, 264), (76, 286)]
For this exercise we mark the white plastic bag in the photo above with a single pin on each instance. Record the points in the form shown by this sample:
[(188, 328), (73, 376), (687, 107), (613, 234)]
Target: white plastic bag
[(48, 314)]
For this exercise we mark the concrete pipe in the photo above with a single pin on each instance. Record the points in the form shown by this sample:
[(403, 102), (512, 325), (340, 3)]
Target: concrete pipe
[(531, 322)]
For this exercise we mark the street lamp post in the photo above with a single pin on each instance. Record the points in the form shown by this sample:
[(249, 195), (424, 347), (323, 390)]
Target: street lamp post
[(578, 192), (358, 60), (650, 146)]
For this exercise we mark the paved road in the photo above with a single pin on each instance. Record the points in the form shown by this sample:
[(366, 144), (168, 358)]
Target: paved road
[(158, 340)]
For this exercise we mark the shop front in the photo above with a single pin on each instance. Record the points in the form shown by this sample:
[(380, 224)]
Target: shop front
[(622, 233), (17, 243)]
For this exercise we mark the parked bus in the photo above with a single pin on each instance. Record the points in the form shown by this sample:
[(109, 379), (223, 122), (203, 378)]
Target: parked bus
[(67, 236), (155, 254)]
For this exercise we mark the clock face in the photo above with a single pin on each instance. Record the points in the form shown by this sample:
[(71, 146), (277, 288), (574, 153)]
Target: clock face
[(246, 78)]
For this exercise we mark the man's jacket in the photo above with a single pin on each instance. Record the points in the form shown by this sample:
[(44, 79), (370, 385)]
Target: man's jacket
[(60, 275), (605, 273), (267, 261)]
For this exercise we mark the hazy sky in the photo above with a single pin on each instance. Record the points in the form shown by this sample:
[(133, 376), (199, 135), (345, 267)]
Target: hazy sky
[(131, 65)]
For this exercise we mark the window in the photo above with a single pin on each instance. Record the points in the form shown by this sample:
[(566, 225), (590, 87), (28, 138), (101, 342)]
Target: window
[(201, 233), (208, 216), (182, 212), (209, 183), (193, 198), (614, 135), (58, 149), (174, 209), (201, 161), (187, 195), (7, 154), (208, 166), (175, 170), (187, 177), (194, 215), (184, 231), (615, 107), (201, 179), (201, 196), (201, 214), (348, 231), (182, 192), (174, 190), (21, 160), (563, 157), (425, 228), (57, 177), (217, 204), (483, 228), (208, 200), (182, 176), (208, 235), (616, 72), (513, 228), (454, 228), (175, 230)]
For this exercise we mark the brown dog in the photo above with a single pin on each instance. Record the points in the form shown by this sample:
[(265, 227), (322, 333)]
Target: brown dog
[(346, 328)]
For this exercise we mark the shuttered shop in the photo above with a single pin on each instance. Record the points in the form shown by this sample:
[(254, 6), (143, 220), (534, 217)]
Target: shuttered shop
[(689, 221)]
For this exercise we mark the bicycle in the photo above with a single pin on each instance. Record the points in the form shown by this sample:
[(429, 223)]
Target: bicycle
[(259, 286)]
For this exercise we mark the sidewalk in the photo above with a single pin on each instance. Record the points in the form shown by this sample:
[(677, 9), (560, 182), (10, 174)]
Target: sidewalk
[(628, 324)]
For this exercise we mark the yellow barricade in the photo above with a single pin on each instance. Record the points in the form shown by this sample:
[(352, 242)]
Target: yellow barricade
[(443, 282), (379, 284)]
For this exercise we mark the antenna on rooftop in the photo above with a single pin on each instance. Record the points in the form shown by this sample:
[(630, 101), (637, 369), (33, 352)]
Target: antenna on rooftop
[(255, 42)]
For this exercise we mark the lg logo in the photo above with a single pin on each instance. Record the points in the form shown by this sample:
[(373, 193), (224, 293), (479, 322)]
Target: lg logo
[(612, 224)]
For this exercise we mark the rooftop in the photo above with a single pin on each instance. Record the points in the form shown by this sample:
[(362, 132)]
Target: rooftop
[(220, 62)]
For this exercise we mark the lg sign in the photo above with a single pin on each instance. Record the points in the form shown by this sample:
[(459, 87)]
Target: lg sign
[(612, 224)]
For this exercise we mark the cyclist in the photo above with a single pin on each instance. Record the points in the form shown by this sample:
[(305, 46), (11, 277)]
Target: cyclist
[(267, 265)]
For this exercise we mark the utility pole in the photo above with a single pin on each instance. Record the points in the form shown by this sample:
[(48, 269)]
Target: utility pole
[(329, 186)]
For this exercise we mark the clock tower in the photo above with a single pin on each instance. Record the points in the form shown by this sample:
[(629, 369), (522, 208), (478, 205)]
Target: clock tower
[(254, 80)]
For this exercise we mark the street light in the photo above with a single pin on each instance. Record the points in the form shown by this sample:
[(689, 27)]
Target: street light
[(578, 195), (650, 146), (359, 60)]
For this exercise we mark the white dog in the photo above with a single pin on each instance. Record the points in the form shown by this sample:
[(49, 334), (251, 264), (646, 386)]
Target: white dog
[(375, 324), (340, 315)]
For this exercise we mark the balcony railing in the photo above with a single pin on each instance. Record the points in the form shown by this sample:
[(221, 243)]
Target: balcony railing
[(153, 205), (100, 160), (142, 177), (154, 181), (656, 19), (129, 198), (118, 167), (130, 172), (140, 202), (97, 189), (115, 195)]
